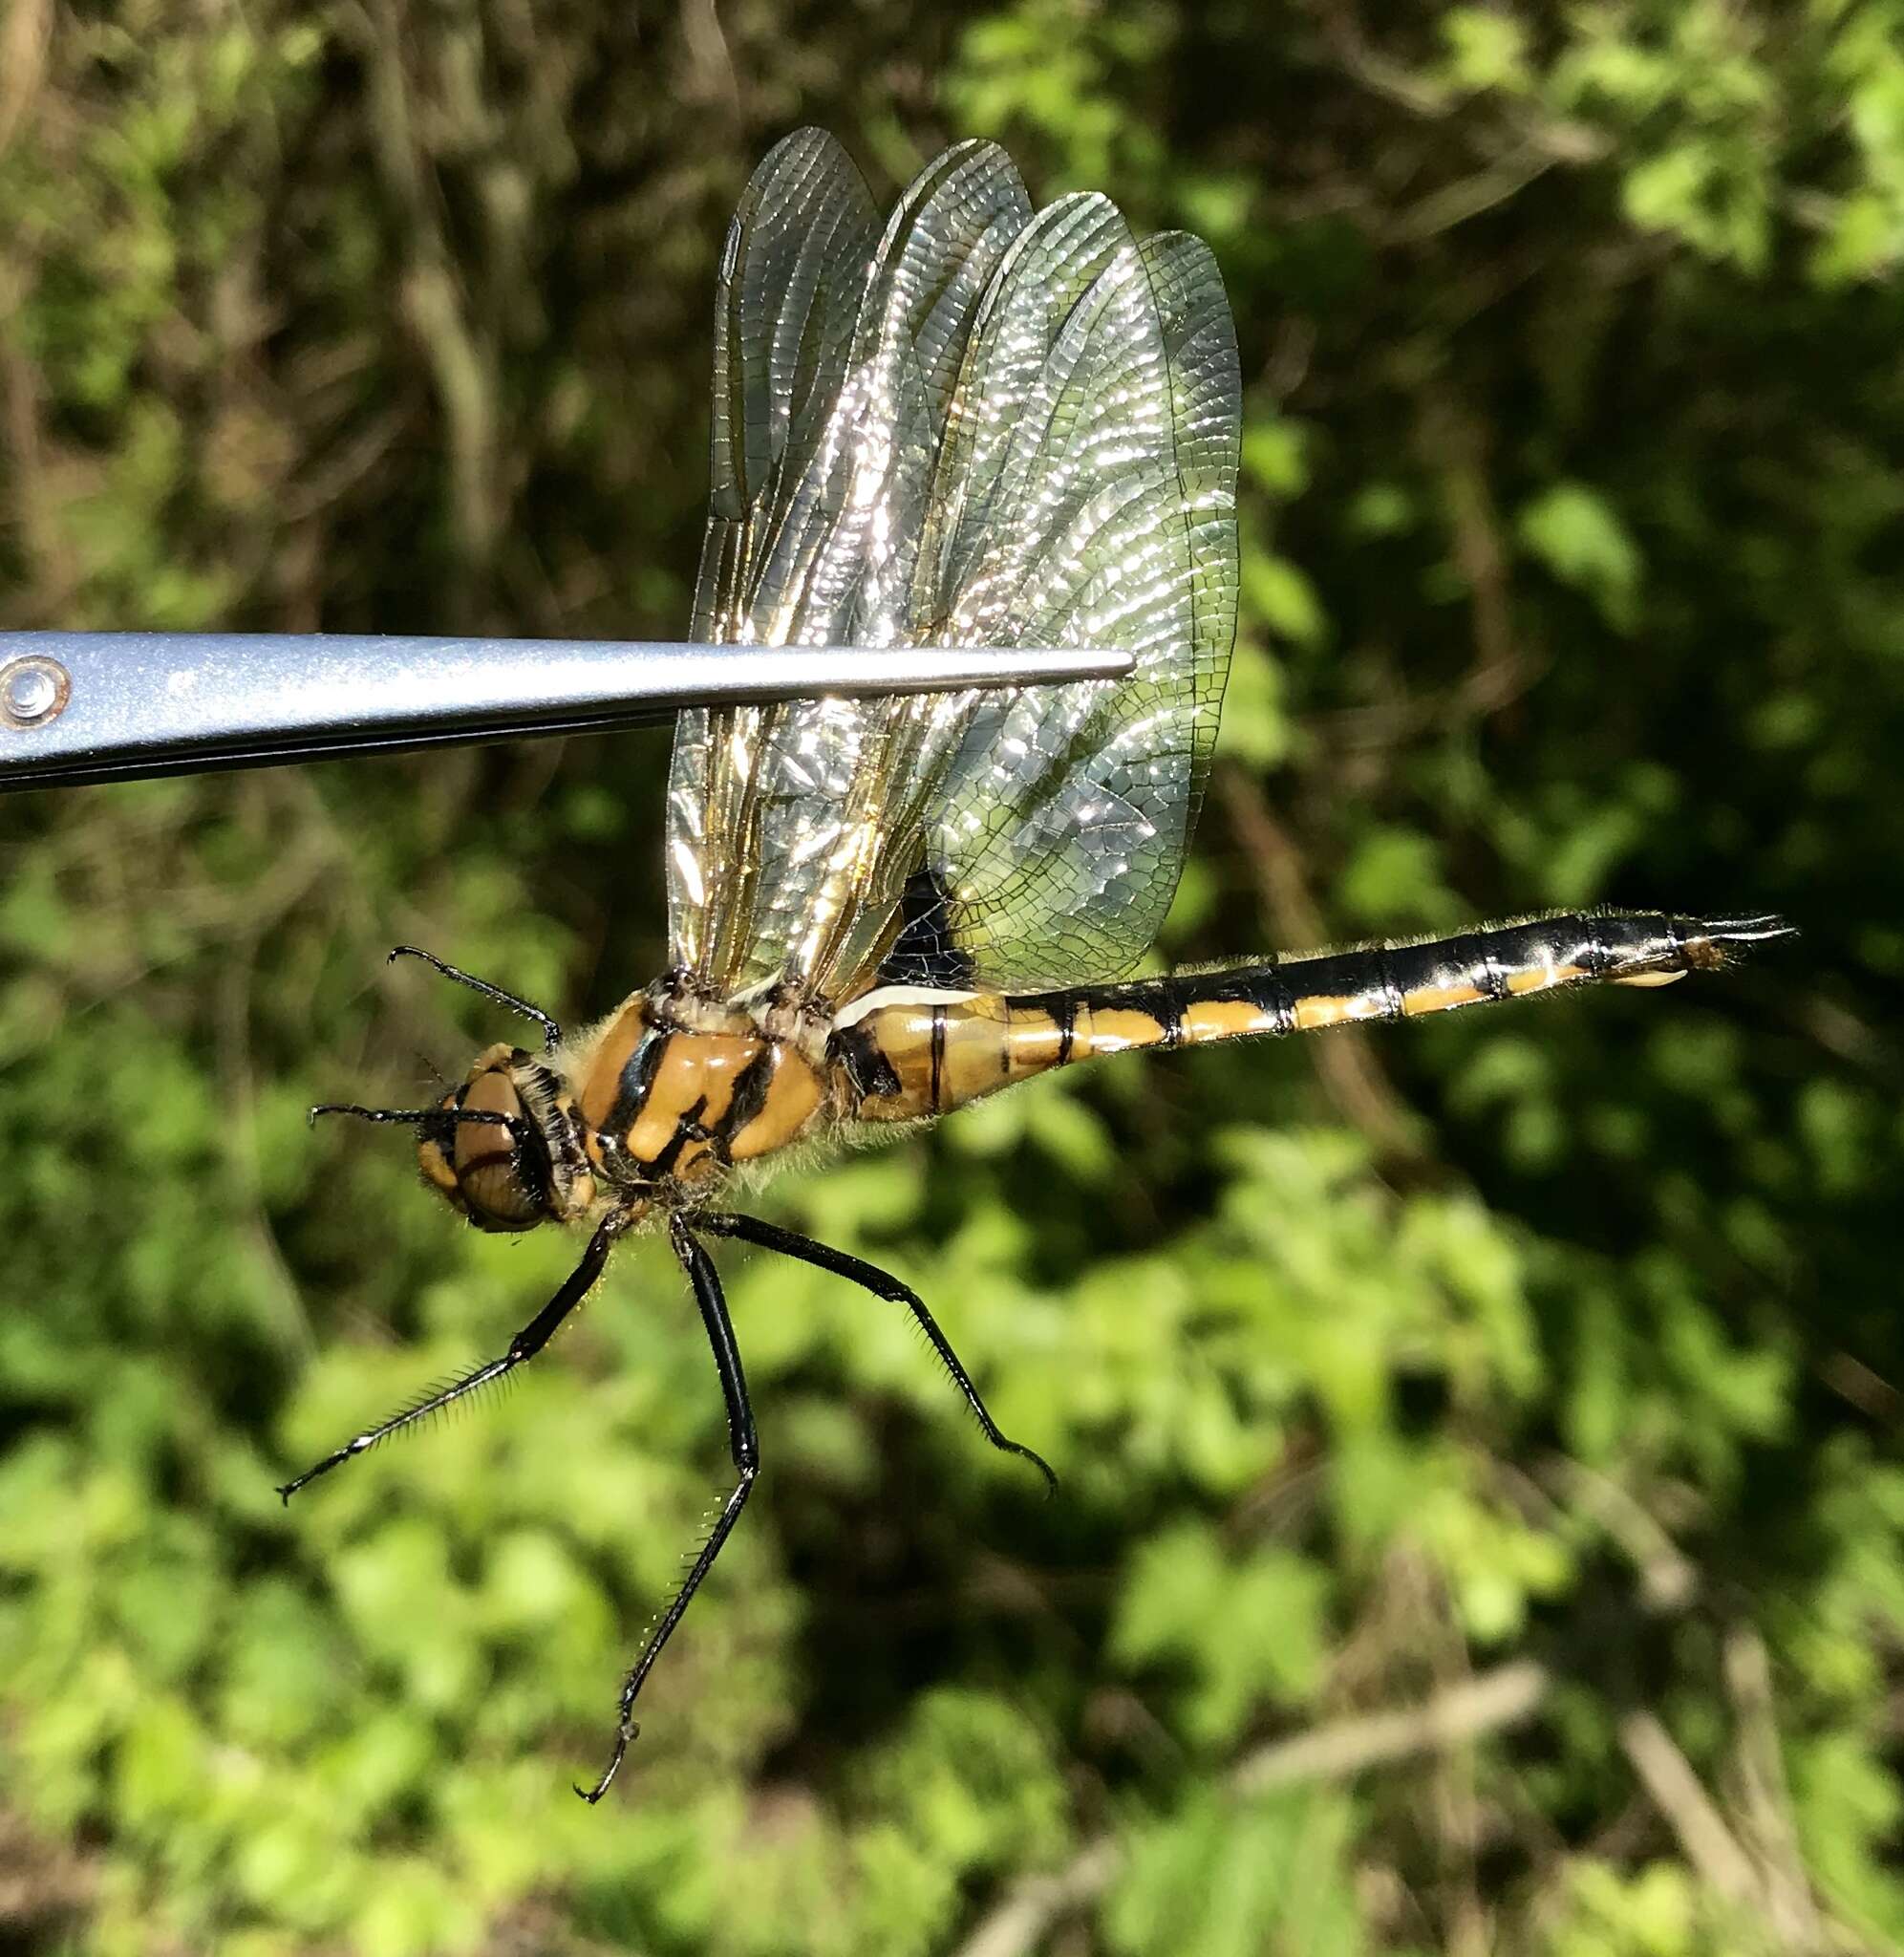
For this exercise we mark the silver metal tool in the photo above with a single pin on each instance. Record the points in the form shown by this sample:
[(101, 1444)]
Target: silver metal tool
[(96, 706)]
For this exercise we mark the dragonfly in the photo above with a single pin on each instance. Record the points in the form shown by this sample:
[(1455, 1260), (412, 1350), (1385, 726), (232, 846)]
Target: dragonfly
[(978, 424)]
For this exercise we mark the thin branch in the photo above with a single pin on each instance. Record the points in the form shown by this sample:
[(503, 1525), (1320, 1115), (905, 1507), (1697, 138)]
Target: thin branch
[(708, 59), (1469, 197), (1668, 1579), (1497, 1699), (1506, 1696), (1765, 1795), (1022, 1918), (1677, 1792), (461, 358), (1452, 444), (25, 38)]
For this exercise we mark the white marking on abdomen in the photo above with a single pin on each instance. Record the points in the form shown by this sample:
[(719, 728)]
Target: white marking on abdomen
[(855, 1010)]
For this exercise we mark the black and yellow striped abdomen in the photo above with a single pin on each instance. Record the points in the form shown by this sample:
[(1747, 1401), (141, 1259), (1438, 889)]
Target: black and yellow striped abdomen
[(918, 1055)]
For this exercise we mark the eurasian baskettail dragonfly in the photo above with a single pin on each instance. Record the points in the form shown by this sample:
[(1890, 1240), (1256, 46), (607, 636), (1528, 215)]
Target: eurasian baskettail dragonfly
[(980, 424)]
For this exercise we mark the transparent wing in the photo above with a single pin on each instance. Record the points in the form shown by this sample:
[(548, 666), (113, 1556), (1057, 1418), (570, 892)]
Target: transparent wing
[(1030, 440), (1086, 496), (778, 815)]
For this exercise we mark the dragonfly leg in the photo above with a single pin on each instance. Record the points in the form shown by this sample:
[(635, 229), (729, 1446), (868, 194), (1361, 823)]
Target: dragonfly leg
[(522, 1347), (882, 1284), (745, 1449), (551, 1033)]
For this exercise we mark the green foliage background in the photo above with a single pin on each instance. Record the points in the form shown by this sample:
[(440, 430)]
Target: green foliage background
[(1482, 1509)]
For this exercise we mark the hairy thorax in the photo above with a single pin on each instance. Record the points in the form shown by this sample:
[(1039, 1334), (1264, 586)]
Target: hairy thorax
[(675, 1090)]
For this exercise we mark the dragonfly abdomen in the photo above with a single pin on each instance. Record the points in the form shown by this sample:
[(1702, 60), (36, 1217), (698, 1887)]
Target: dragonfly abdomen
[(923, 1054)]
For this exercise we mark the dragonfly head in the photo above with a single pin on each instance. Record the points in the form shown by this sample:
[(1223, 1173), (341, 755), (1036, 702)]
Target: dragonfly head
[(504, 1147)]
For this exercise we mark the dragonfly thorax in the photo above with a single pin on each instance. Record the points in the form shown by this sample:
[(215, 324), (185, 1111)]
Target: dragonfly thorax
[(674, 1104)]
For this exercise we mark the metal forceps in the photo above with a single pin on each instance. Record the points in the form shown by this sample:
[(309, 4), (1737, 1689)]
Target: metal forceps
[(104, 706)]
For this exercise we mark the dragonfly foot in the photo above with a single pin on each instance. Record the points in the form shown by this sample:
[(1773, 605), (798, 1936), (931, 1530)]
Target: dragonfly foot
[(629, 1730)]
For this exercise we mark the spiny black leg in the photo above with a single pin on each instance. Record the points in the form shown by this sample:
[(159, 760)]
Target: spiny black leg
[(551, 1033), (524, 1346), (746, 1451), (882, 1284)]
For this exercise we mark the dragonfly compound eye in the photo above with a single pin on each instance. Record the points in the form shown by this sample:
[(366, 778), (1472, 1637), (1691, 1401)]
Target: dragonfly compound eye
[(492, 1170)]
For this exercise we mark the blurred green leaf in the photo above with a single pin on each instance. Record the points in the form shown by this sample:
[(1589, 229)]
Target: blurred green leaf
[(1574, 532)]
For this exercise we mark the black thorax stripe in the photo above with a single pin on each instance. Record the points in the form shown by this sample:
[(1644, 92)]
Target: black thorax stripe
[(687, 1129), (637, 1077), (749, 1097)]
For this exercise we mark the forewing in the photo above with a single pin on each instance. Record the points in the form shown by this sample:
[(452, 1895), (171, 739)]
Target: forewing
[(835, 363), (786, 299)]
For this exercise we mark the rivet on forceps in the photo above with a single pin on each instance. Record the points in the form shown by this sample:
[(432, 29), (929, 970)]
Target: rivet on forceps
[(32, 691)]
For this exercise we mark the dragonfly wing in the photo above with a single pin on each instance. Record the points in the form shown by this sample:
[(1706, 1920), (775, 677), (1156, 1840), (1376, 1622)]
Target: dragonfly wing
[(777, 814), (1086, 495), (787, 295), (1021, 431)]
